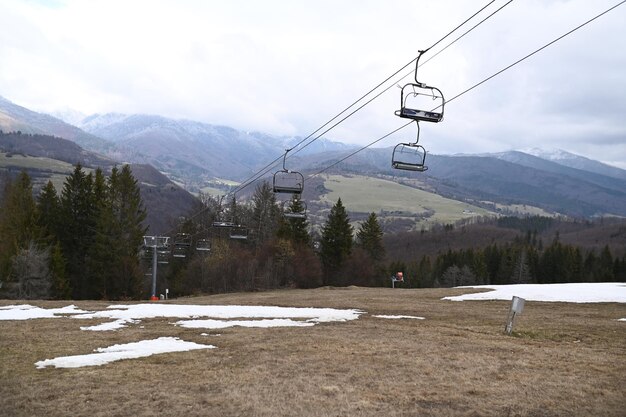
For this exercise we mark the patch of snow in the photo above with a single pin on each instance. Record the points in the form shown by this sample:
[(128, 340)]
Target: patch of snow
[(624, 319), (222, 324), (383, 316), (26, 312), (114, 353), (606, 292), (144, 311), (111, 325)]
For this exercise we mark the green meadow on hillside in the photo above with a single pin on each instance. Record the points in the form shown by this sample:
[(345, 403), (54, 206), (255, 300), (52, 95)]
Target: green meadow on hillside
[(367, 194)]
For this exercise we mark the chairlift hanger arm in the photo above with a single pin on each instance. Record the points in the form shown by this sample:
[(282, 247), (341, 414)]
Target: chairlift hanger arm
[(285, 159), (417, 65)]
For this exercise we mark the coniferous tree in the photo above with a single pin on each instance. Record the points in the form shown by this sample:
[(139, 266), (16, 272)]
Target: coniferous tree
[(49, 208), (118, 238), (77, 234), (604, 272), (295, 229), (521, 270), (336, 242), (265, 213), (425, 273), (60, 286), (19, 222), (370, 238)]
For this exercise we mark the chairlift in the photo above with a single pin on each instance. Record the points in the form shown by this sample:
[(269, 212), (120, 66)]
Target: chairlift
[(162, 242), (409, 156), (182, 242), (289, 213), (286, 181), (413, 97), (149, 241), (163, 257), (222, 220), (203, 245), (163, 249), (239, 232)]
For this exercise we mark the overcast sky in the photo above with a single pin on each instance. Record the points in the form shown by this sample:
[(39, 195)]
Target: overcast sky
[(286, 67)]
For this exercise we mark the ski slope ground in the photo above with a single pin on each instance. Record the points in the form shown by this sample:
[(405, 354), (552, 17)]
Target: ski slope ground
[(352, 351)]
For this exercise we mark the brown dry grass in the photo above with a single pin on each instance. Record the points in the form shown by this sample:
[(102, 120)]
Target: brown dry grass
[(566, 360)]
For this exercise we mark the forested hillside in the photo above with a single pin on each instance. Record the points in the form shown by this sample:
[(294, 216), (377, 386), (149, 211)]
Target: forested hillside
[(86, 243), (82, 243)]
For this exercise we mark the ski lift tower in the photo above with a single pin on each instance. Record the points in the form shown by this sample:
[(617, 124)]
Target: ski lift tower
[(156, 243)]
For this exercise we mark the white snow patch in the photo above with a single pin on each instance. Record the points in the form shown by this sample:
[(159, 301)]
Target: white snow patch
[(26, 312), (123, 315), (132, 312), (126, 351), (222, 324), (111, 325), (606, 292), (624, 319), (383, 316)]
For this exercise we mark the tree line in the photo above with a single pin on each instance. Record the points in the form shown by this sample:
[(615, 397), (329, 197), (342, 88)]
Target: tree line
[(86, 243), (525, 260), (279, 251), (82, 243)]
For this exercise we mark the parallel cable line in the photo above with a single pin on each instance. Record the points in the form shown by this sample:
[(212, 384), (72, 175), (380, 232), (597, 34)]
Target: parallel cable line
[(476, 85), (263, 171)]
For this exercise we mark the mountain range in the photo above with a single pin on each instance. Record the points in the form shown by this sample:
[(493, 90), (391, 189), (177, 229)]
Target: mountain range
[(201, 156)]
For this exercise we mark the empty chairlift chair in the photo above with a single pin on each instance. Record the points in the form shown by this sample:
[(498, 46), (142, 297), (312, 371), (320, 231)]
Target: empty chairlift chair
[(416, 97), (182, 242), (203, 245), (409, 156), (163, 249), (294, 211), (286, 181), (239, 232), (222, 220)]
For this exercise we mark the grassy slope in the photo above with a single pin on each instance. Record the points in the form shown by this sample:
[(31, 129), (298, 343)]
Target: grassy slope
[(368, 194), (41, 169), (567, 360), (34, 162)]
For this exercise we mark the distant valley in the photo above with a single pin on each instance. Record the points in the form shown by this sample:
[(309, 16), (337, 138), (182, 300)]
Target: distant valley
[(194, 156)]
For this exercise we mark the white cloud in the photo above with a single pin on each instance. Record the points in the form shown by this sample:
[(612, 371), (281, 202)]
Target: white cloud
[(287, 67)]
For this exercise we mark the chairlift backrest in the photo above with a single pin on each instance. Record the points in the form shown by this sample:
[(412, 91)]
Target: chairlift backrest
[(412, 103), (416, 97), (239, 233), (286, 181), (162, 242), (149, 241), (288, 213), (291, 182), (179, 251), (222, 224), (409, 157), (182, 239), (203, 245)]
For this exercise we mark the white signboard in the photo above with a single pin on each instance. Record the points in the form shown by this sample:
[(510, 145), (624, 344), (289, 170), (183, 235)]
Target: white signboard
[(517, 306)]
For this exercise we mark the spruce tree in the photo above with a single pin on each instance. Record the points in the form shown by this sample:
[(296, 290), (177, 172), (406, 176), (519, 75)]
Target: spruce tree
[(19, 222), (114, 258), (295, 229), (370, 238), (336, 242), (60, 286), (265, 213), (78, 216), (49, 208)]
